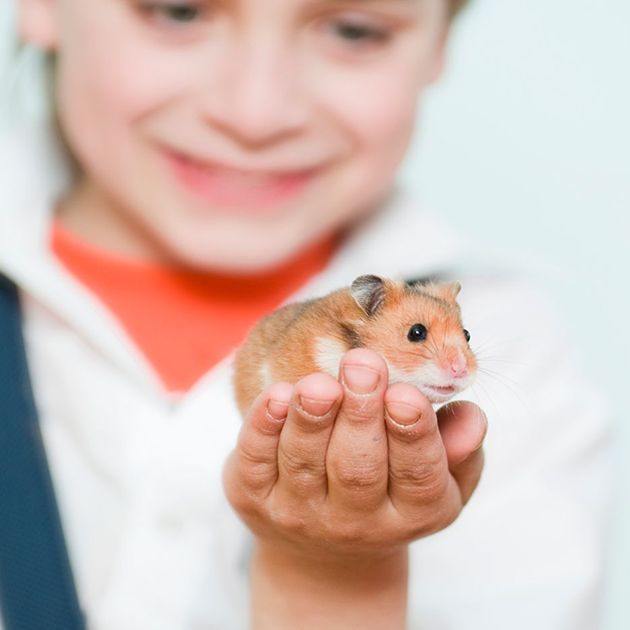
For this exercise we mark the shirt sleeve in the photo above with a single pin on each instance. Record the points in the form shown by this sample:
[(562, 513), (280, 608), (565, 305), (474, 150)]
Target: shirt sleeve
[(528, 550)]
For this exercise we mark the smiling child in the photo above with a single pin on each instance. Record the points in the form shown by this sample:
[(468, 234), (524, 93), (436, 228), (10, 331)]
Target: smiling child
[(223, 157)]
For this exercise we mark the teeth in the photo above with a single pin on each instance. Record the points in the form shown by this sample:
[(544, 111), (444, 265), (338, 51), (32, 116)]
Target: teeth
[(438, 394), (235, 178), (230, 177)]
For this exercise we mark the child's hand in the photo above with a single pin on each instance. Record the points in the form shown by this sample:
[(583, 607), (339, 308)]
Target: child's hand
[(318, 471), (323, 482)]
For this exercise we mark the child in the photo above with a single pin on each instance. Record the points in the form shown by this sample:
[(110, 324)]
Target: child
[(228, 157)]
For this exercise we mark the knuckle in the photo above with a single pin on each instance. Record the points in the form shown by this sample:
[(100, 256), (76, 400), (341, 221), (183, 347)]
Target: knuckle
[(257, 477), (347, 534), (425, 520), (242, 499), (288, 521), (298, 467), (251, 456), (422, 471), (249, 471), (255, 480), (359, 475), (415, 475), (427, 483), (433, 490), (441, 518)]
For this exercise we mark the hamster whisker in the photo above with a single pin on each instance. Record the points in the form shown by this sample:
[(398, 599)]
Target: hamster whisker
[(436, 350), (512, 387), (498, 375), (486, 395), (486, 359)]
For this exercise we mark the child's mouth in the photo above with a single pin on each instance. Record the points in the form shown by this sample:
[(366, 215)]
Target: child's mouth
[(248, 191)]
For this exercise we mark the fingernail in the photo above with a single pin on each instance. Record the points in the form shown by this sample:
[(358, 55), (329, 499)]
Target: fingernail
[(403, 413), (277, 409), (316, 407), (360, 379)]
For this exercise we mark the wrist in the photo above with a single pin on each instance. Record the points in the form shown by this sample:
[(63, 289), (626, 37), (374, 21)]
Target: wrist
[(290, 589)]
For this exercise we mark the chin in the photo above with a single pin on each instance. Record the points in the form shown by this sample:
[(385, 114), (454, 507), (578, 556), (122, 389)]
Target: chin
[(229, 257)]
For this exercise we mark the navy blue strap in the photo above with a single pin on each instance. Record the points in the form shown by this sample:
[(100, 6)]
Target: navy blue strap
[(37, 590)]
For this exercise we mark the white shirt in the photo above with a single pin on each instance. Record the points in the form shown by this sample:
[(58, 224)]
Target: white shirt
[(154, 544)]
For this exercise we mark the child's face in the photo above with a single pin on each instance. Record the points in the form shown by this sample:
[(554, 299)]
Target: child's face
[(228, 134)]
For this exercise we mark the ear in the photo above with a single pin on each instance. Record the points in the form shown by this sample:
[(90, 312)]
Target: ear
[(368, 292), (37, 22), (438, 63), (450, 290)]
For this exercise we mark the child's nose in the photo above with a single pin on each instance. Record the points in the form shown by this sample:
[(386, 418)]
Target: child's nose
[(258, 98)]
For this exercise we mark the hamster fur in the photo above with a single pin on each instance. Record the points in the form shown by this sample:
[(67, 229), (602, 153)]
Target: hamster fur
[(417, 329)]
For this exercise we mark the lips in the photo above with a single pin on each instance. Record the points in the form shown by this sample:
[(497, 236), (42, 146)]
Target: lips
[(443, 389), (224, 186), (439, 393)]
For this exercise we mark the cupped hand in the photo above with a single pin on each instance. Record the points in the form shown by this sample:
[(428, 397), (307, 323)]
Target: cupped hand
[(332, 468)]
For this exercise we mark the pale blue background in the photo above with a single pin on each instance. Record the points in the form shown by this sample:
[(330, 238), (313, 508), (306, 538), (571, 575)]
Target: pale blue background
[(526, 146)]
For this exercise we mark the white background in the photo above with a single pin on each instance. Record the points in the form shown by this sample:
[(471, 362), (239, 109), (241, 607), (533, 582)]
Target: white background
[(525, 145)]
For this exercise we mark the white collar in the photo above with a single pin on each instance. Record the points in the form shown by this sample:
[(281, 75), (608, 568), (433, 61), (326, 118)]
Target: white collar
[(401, 240)]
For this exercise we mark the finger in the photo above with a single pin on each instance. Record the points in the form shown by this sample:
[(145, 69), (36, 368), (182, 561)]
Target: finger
[(467, 474), (253, 466), (357, 453), (418, 467), (304, 439), (463, 427)]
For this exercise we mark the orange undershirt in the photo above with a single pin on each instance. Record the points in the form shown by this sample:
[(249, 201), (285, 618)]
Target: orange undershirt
[(183, 321)]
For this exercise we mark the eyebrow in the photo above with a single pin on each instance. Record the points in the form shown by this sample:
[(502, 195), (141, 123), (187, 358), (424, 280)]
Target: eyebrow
[(400, 3), (373, 1)]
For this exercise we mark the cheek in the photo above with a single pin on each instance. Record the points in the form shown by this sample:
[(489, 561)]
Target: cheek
[(375, 114), (377, 123), (109, 74), (377, 100)]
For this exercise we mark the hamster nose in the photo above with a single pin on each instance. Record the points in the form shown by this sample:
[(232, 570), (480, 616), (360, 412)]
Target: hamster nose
[(458, 367)]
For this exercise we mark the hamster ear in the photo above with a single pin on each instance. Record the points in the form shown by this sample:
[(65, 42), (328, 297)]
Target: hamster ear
[(368, 292), (450, 290)]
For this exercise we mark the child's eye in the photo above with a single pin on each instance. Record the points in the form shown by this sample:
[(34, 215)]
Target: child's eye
[(173, 12), (357, 33)]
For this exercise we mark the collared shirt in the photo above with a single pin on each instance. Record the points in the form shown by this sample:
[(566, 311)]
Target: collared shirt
[(153, 542)]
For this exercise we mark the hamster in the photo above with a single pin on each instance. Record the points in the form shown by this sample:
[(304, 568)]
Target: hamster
[(416, 328)]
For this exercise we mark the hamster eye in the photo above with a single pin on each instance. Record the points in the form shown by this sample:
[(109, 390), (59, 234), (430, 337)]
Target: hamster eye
[(467, 335), (417, 332)]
